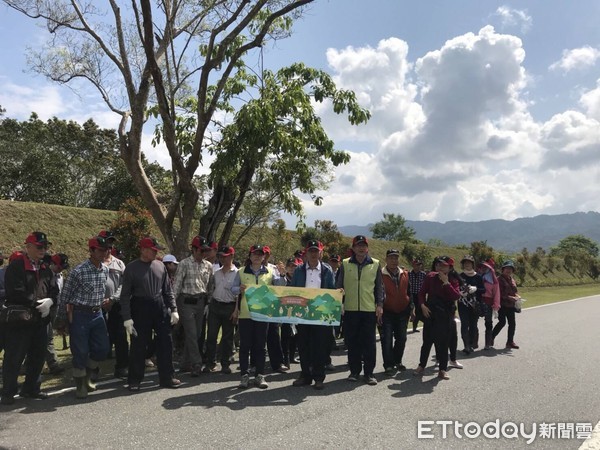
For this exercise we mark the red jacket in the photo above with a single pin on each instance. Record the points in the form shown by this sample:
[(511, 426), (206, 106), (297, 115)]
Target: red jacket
[(397, 298)]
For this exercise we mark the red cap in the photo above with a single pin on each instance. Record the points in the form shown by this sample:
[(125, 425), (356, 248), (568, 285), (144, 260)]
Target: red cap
[(358, 239), (214, 245), (257, 248), (150, 242), (267, 249), (37, 238), (60, 259), (199, 242), (335, 258), (313, 243), (107, 234), (226, 251), (97, 242)]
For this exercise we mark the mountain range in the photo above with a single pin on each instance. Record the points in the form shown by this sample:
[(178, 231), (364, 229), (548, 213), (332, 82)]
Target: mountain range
[(508, 235)]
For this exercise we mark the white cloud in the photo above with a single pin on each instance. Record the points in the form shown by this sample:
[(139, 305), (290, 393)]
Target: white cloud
[(460, 142), (511, 18), (576, 59)]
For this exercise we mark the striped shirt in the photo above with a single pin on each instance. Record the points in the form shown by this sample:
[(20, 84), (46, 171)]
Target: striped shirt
[(84, 286)]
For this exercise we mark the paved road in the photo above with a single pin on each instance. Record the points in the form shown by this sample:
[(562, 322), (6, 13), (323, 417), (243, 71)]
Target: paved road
[(553, 378)]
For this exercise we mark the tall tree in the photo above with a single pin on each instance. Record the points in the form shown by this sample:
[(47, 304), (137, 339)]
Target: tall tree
[(576, 243), (392, 228), (181, 57)]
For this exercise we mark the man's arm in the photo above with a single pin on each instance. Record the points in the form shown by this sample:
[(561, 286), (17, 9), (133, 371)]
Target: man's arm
[(126, 290)]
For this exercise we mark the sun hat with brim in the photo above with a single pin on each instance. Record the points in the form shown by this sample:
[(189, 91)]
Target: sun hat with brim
[(170, 259)]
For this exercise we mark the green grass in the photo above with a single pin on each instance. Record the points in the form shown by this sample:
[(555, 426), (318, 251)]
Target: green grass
[(545, 295)]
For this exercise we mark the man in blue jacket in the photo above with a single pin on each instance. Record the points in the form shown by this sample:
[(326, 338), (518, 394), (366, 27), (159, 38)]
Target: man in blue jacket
[(313, 340)]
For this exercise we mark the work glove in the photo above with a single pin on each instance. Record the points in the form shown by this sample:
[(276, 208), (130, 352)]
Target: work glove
[(43, 306), (174, 318), (128, 324), (472, 289)]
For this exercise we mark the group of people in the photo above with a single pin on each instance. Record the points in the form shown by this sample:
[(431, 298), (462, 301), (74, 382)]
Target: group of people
[(135, 307)]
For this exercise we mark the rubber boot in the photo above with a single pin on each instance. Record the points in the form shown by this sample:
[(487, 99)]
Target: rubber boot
[(81, 387), (89, 384)]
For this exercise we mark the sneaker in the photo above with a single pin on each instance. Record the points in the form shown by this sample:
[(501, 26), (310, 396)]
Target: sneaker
[(245, 382), (455, 364), (301, 382), (370, 380), (209, 368), (149, 363), (282, 369), (401, 368), (442, 375), (259, 382), (353, 377), (196, 370), (7, 400), (418, 371), (226, 370), (172, 383), (121, 373), (39, 395), (512, 345), (390, 371)]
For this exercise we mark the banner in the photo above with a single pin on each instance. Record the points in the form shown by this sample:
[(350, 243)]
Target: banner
[(285, 304)]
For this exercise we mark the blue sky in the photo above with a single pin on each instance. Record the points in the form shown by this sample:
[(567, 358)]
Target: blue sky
[(480, 109)]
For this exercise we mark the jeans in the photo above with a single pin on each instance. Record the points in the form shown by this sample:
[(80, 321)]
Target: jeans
[(30, 341), (313, 347), (506, 314), (89, 339), (219, 317), (150, 315), (393, 338), (360, 336), (253, 337)]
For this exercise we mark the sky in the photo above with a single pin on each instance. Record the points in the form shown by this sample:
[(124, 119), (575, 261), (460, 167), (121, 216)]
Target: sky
[(480, 109)]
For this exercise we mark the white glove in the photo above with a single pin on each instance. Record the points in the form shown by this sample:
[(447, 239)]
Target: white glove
[(43, 306), (128, 324), (174, 318), (495, 314), (472, 289)]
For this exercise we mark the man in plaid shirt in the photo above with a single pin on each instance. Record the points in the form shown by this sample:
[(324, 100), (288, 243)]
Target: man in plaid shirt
[(193, 289), (80, 302), (415, 280)]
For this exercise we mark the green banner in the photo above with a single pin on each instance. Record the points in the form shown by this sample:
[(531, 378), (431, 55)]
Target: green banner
[(284, 304)]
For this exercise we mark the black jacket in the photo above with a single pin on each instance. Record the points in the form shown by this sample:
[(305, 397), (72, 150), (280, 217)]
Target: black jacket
[(25, 285)]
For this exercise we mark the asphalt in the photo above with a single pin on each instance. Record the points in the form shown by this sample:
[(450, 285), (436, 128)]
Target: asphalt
[(552, 378)]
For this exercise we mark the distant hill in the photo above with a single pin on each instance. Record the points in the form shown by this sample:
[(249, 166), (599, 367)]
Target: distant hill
[(540, 231)]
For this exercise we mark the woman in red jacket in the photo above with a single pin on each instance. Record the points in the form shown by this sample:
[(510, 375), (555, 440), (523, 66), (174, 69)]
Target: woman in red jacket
[(508, 299), (436, 299)]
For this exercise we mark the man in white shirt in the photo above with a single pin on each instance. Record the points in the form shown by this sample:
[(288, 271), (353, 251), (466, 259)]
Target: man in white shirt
[(222, 313)]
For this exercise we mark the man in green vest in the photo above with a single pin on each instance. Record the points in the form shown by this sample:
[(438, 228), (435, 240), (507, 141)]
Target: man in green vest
[(360, 278)]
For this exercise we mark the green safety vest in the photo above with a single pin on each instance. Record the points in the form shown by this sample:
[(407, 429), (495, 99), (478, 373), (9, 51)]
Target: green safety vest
[(359, 290), (249, 279)]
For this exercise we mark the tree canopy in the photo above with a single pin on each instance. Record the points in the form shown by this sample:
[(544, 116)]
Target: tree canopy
[(576, 243), (181, 61), (392, 228)]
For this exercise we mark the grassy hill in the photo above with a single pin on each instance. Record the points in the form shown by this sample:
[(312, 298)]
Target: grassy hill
[(69, 228)]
